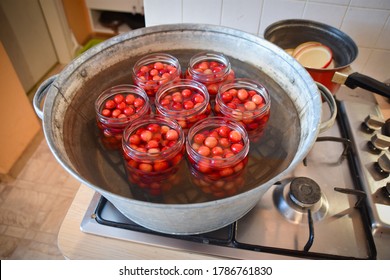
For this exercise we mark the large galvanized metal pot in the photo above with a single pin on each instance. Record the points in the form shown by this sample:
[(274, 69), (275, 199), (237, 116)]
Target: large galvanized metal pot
[(70, 129)]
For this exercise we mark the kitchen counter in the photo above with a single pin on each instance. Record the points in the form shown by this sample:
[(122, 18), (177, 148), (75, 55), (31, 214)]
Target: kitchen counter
[(75, 244), (78, 245)]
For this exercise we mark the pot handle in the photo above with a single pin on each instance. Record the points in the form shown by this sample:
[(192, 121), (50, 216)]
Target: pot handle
[(327, 96), (356, 79), (40, 94)]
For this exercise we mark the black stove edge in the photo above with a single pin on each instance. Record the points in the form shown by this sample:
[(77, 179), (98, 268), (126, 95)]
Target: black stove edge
[(132, 226), (354, 165)]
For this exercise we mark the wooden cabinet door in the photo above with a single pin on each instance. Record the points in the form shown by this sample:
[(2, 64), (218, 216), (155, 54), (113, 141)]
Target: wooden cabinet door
[(26, 38)]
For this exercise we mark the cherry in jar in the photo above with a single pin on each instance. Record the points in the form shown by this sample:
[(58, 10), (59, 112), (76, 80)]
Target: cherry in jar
[(211, 69), (154, 70), (246, 101), (117, 107), (186, 101), (153, 149), (217, 147)]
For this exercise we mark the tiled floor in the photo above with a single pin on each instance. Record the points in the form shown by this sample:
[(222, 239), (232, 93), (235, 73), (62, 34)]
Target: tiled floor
[(33, 206)]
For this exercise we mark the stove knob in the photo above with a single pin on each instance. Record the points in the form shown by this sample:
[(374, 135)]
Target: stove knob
[(386, 190), (379, 143), (386, 128), (372, 123), (382, 166)]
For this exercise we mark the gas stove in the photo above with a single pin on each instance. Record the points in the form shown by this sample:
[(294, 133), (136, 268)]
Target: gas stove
[(334, 205)]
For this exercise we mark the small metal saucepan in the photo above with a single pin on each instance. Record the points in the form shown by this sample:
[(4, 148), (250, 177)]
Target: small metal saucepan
[(291, 33)]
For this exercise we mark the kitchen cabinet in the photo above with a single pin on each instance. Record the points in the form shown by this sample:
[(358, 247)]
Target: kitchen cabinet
[(25, 35), (19, 124), (96, 7)]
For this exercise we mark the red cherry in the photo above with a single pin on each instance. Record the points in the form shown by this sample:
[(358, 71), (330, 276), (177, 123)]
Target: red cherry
[(228, 171), (235, 136), (236, 147), (134, 139), (257, 99), (172, 135), (158, 65), (217, 151), (250, 106), (211, 142), (199, 138), (153, 127), (116, 113), (223, 131), (106, 112), (139, 102), (110, 104), (242, 94), (128, 111), (152, 144), (186, 93), (130, 99), (145, 167), (224, 142), (118, 98), (146, 135), (204, 151), (160, 166), (188, 105)]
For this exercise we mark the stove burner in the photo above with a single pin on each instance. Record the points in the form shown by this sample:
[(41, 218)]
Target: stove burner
[(304, 192), (293, 197)]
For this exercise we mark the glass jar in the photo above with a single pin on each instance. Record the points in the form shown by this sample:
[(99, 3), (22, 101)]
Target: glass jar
[(153, 148), (211, 69), (116, 108), (218, 187), (153, 70), (245, 101), (186, 101), (217, 147)]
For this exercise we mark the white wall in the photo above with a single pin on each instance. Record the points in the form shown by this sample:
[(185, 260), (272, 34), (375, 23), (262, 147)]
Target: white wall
[(367, 22)]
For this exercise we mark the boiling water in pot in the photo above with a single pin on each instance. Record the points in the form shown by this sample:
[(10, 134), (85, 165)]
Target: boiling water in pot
[(270, 153)]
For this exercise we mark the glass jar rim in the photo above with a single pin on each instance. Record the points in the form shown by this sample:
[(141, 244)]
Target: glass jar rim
[(209, 56), (214, 122), (181, 84), (247, 84), (139, 155), (117, 89), (156, 57)]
